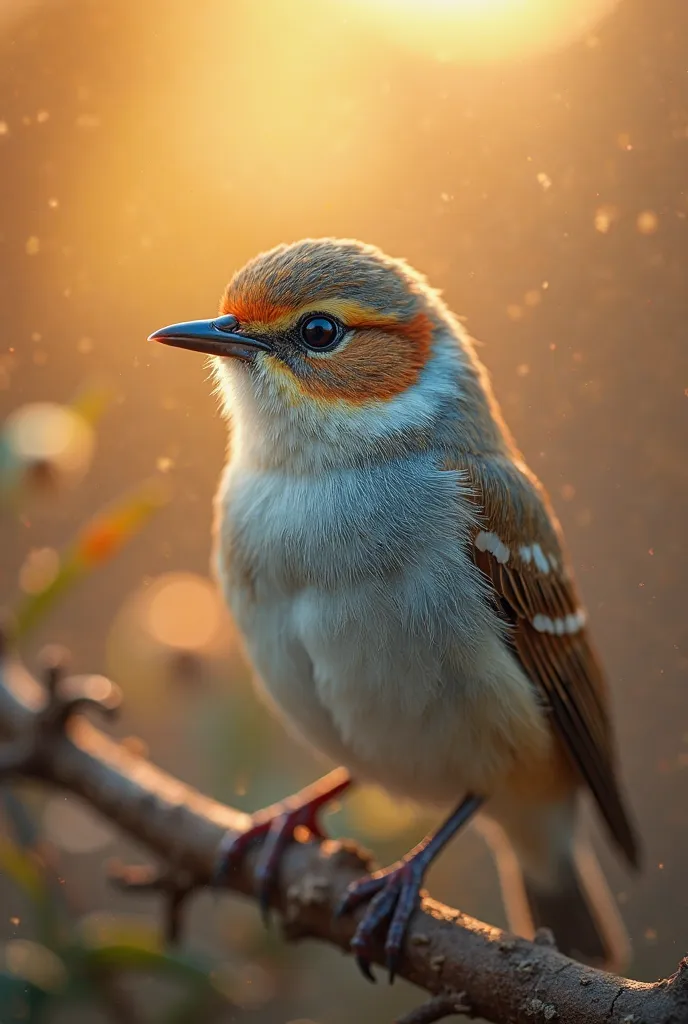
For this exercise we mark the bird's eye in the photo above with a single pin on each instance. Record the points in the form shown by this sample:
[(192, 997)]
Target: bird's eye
[(319, 332)]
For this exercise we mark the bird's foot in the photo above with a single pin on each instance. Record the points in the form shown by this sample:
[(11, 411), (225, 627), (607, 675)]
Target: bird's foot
[(275, 827), (393, 894)]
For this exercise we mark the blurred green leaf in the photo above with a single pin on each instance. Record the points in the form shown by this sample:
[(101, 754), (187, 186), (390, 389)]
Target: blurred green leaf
[(96, 543), (127, 957), (108, 945), (134, 943)]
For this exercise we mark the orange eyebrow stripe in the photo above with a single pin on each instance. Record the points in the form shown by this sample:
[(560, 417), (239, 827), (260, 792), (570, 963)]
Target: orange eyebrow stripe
[(253, 311), (257, 313)]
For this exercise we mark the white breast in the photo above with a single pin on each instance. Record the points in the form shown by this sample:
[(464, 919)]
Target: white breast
[(367, 620)]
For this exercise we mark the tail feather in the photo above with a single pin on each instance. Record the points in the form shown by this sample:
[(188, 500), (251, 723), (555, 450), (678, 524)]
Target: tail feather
[(580, 911)]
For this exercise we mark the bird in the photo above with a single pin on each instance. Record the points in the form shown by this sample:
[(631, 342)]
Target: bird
[(402, 590)]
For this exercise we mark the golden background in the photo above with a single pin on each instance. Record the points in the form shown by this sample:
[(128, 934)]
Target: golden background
[(535, 168)]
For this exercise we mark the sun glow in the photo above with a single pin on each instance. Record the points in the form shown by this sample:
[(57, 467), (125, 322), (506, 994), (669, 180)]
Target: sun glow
[(479, 31), (292, 123)]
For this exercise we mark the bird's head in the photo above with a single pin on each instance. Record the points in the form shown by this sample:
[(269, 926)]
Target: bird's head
[(327, 350)]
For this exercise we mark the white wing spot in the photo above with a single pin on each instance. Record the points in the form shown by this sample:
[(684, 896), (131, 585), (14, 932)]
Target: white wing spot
[(560, 627), (526, 554), (539, 558), (574, 623), (490, 542)]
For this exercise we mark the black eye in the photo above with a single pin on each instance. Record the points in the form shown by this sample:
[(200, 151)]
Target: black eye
[(319, 332)]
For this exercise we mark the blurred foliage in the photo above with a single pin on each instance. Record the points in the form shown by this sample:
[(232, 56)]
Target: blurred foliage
[(71, 960), (97, 542)]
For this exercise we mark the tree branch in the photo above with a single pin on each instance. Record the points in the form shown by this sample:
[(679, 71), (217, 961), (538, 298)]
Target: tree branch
[(466, 966)]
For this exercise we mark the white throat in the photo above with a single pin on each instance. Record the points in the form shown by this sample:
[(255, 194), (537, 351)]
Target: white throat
[(275, 428)]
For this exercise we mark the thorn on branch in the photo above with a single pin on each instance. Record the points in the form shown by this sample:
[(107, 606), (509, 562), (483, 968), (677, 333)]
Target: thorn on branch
[(444, 1004), (65, 696), (55, 663), (175, 885)]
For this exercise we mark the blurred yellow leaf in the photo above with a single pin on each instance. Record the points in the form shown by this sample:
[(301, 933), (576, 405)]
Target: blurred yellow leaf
[(92, 402)]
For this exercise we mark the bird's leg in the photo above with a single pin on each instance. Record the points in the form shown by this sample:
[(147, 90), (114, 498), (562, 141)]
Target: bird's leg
[(275, 826), (394, 892)]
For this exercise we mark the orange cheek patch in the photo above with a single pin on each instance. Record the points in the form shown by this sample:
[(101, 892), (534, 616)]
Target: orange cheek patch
[(383, 358), (375, 364)]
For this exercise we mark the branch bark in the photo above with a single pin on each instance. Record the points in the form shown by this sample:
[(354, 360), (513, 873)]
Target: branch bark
[(466, 966)]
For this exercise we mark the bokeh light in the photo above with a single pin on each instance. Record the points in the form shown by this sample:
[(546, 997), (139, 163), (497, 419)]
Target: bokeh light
[(39, 569), (35, 963), (45, 445), (478, 31), (184, 611), (377, 815), (174, 629)]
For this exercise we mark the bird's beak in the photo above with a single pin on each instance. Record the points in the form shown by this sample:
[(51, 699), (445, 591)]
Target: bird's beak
[(216, 337)]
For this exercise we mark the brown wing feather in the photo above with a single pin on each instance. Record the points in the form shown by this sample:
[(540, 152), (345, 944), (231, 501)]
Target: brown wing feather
[(536, 589)]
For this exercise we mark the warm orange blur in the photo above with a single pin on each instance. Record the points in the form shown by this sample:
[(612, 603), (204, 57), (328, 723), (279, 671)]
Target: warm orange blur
[(475, 31), (528, 156)]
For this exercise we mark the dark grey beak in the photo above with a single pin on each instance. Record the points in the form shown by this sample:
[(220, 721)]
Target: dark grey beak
[(216, 337)]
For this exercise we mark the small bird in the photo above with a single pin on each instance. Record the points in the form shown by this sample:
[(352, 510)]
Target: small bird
[(403, 591)]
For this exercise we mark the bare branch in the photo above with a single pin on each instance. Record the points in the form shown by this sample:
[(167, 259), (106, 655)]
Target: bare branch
[(455, 958)]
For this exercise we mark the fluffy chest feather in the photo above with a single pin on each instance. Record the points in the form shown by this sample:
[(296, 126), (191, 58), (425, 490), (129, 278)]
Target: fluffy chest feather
[(375, 528), (364, 615)]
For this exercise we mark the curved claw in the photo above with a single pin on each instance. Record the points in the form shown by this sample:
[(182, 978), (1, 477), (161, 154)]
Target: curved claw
[(365, 969), (358, 892), (275, 826), (233, 848), (279, 835), (394, 895)]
